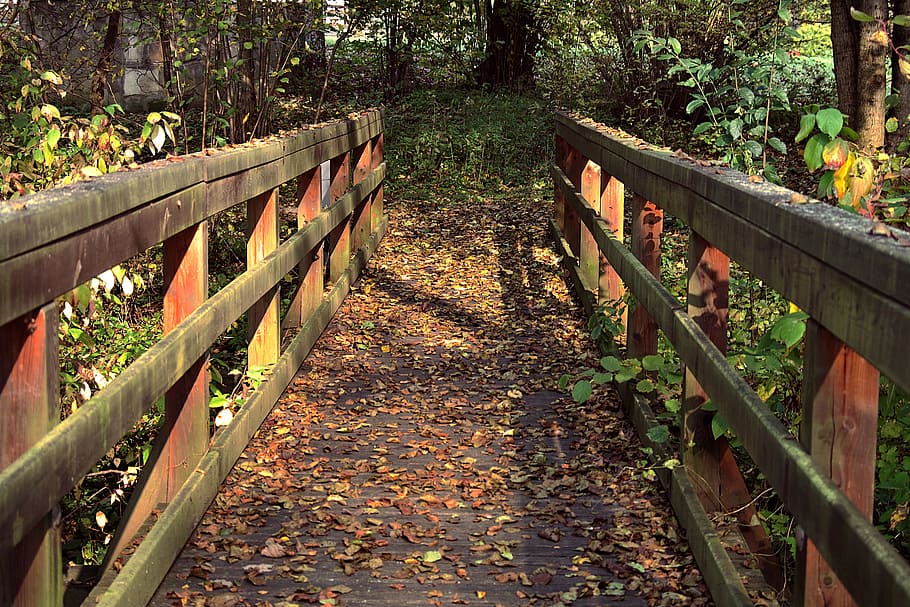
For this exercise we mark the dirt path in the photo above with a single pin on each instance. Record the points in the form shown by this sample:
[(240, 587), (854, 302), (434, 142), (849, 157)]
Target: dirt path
[(422, 456)]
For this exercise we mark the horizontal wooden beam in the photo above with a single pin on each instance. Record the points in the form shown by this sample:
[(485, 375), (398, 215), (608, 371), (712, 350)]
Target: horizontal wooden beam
[(870, 568), (835, 237), (40, 219), (77, 257), (807, 264), (147, 567), (36, 481)]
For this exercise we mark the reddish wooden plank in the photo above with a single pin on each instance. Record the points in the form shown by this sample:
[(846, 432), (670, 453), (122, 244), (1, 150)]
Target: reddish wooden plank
[(575, 164), (562, 150), (589, 256), (376, 211), (340, 176), (340, 238), (647, 227), (184, 437), (308, 294), (612, 210), (31, 573), (710, 461), (264, 322), (839, 429), (360, 222)]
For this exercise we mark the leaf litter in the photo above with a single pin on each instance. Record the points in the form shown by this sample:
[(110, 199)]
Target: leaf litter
[(423, 455)]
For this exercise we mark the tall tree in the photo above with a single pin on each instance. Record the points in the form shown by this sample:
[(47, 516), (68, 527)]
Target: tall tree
[(860, 53), (513, 37)]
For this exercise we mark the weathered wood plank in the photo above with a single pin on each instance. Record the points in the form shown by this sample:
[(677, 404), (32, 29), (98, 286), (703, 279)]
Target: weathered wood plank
[(308, 294), (362, 216), (340, 238), (588, 254), (184, 436), (42, 218), (376, 205), (264, 335), (818, 256), (31, 572), (647, 227), (868, 566), (710, 461), (612, 209), (839, 429), (78, 257), (142, 574), (70, 449)]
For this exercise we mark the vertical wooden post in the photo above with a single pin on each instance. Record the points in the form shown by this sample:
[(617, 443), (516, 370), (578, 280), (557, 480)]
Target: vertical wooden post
[(264, 327), (186, 263), (376, 204), (647, 227), (340, 238), (562, 152), (184, 436), (31, 574), (612, 209), (710, 461), (575, 164), (839, 429), (588, 254), (361, 219), (308, 294)]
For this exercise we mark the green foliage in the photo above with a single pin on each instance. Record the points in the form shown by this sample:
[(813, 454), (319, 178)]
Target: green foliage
[(734, 100), (872, 184), (485, 138), (654, 375), (892, 488), (41, 147)]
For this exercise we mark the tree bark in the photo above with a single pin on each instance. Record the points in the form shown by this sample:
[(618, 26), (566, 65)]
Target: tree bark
[(872, 53), (513, 37), (900, 78), (105, 61), (845, 46)]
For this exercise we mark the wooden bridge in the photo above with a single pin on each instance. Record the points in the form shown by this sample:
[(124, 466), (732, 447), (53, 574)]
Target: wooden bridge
[(418, 453)]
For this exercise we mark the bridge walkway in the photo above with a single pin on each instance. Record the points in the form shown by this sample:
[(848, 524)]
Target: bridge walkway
[(423, 456)]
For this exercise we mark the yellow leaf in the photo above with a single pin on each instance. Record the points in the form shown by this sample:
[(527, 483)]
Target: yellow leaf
[(863, 179), (841, 174)]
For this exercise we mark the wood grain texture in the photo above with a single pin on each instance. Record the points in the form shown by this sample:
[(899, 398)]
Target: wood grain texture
[(30, 572), (867, 565), (264, 331), (647, 227), (816, 255), (839, 429)]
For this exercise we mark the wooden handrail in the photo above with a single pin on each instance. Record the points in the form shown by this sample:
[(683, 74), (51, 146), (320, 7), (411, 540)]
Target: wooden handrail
[(815, 255), (55, 240)]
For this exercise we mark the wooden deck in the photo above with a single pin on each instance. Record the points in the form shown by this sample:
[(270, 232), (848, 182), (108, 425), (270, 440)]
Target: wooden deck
[(421, 457)]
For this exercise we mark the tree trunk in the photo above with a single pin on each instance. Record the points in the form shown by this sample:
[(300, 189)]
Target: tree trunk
[(512, 40), (900, 78), (845, 46), (872, 53), (105, 61)]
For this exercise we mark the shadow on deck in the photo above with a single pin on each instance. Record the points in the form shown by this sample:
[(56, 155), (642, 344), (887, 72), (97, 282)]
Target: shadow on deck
[(421, 457)]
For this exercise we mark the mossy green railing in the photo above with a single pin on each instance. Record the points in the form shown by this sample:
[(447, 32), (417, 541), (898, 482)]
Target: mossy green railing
[(56, 240), (850, 281)]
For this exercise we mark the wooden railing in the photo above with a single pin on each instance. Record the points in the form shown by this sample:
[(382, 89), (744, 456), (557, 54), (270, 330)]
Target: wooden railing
[(854, 286), (54, 241)]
